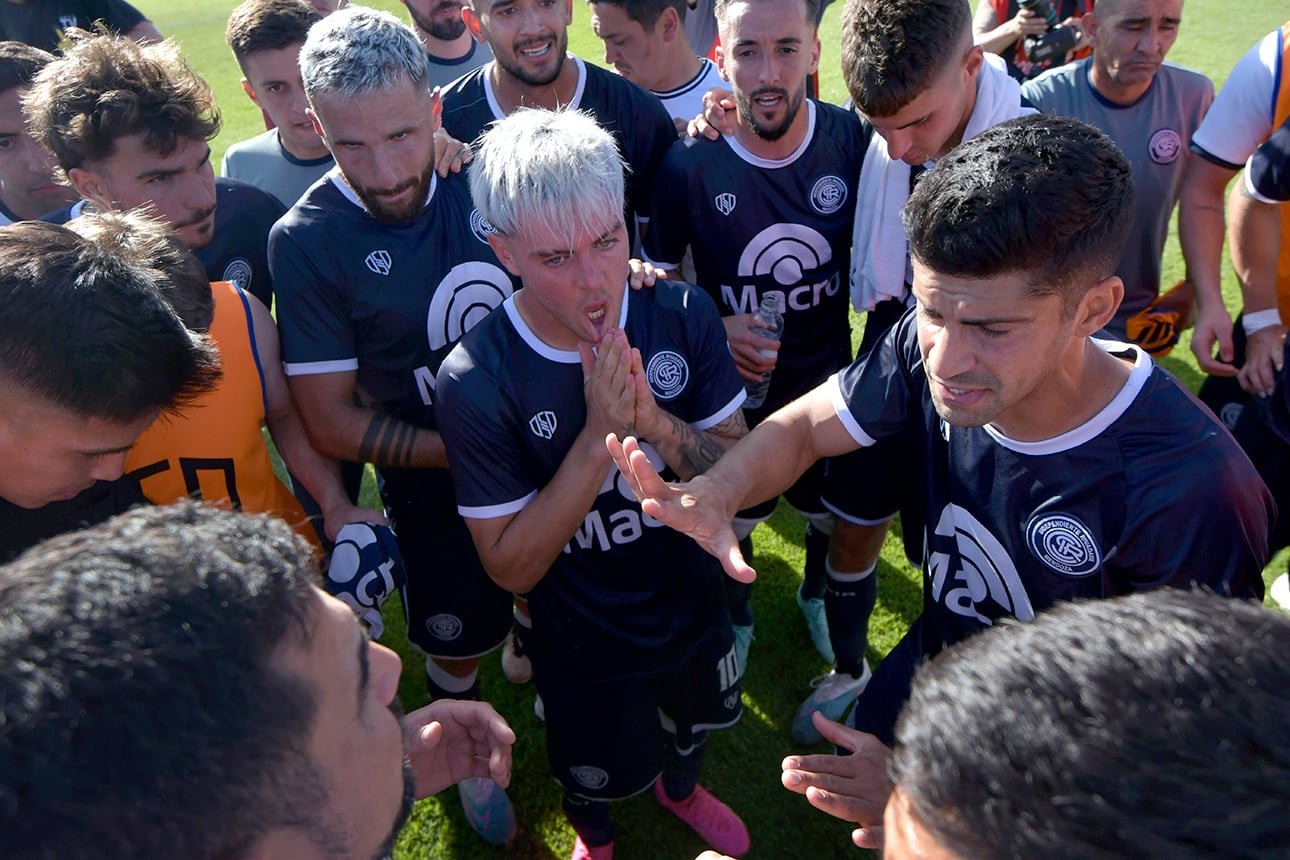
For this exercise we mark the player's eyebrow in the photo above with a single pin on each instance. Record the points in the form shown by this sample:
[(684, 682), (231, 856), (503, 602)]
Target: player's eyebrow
[(551, 252)]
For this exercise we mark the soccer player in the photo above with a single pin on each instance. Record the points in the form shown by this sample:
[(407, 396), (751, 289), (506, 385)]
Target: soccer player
[(645, 42), (90, 354), (236, 710), (1263, 427), (1053, 466), (380, 269), (216, 449), (1150, 109), (531, 68), (265, 37), (916, 78), (769, 211), (1254, 102), (29, 186), (631, 644), (155, 155), (451, 50)]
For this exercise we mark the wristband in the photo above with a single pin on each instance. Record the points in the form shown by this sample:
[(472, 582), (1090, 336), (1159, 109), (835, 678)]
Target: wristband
[(1259, 320)]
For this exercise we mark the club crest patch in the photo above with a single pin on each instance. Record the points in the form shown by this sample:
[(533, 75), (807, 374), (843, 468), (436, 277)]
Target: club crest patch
[(667, 374), (444, 627), (590, 777), (1065, 544), (828, 194), (1165, 146)]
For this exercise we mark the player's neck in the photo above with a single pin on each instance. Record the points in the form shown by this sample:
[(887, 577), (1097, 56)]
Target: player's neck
[(512, 93), (311, 153), (1084, 383), (682, 69), (446, 49), (1113, 92), (774, 150)]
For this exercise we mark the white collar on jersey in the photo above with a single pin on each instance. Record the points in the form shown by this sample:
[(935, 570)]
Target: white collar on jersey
[(559, 356), (1142, 365)]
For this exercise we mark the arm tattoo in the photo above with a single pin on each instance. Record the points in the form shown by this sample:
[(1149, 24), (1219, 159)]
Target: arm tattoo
[(387, 442), (697, 450)]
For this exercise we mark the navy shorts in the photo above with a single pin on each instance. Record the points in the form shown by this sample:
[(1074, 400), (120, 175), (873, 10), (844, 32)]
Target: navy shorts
[(452, 607), (804, 496), (605, 738)]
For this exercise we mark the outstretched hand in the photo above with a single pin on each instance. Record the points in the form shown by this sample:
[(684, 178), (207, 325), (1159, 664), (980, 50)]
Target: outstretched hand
[(851, 787), (694, 508)]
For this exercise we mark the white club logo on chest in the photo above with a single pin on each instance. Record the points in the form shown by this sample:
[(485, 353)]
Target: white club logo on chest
[(1064, 543), (378, 262)]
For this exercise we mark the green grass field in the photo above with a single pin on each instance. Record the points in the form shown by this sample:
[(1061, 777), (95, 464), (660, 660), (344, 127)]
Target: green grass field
[(743, 763)]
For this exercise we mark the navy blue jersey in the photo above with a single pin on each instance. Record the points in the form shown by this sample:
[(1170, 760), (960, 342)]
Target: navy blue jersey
[(1268, 173), (43, 23), (636, 118), (759, 227), (387, 301), (1151, 492), (628, 596), (237, 251)]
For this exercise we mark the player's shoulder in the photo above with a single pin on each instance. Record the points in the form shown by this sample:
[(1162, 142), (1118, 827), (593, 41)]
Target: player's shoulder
[(623, 100), (480, 356), (318, 210), (464, 89), (266, 142), (1061, 81), (237, 200), (1184, 78)]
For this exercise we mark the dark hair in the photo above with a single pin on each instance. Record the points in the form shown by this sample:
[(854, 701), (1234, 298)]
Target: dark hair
[(645, 12), (184, 282), (19, 63), (720, 7), (85, 328), (266, 25), (142, 716), (1046, 196), (892, 50), (106, 87), (1153, 725)]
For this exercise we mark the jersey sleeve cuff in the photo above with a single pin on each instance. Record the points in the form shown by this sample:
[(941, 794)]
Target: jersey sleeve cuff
[(843, 412), (1251, 190), (313, 368), (723, 413), (1212, 158), (490, 512)]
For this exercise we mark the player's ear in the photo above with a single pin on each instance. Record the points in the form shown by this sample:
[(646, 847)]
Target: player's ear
[(721, 62), (504, 256), (668, 25), (313, 119), (815, 53), (90, 185), (1088, 23), (473, 24), (249, 90), (1099, 305)]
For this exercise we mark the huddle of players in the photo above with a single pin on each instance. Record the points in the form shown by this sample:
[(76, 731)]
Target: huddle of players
[(366, 363)]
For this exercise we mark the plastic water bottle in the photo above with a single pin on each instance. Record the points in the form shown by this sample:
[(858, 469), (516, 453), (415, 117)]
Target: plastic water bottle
[(768, 322)]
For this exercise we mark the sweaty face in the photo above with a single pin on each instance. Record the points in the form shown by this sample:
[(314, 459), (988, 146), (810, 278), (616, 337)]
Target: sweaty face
[(529, 38), (992, 352), (178, 188), (635, 53), (767, 50), (383, 144), (53, 454), (356, 740), (932, 123), (27, 184), (1132, 38), (273, 82), (440, 18), (572, 286)]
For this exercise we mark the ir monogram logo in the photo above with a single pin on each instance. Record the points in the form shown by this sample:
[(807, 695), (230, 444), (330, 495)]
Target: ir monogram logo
[(379, 262)]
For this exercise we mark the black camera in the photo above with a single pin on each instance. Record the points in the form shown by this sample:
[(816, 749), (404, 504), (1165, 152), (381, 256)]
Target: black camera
[(1056, 43)]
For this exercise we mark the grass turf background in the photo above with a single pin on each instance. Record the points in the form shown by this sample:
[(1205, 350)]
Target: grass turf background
[(742, 764)]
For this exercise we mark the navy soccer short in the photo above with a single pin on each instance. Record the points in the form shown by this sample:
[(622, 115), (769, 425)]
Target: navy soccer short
[(605, 738), (453, 609), (804, 496)]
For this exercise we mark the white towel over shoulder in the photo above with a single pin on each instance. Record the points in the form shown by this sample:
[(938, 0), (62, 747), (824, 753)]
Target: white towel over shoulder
[(878, 246)]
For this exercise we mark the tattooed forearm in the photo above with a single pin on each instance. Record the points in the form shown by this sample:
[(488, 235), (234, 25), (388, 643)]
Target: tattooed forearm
[(387, 442), (692, 452)]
